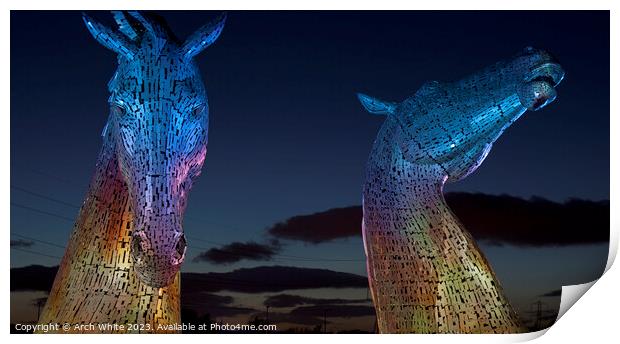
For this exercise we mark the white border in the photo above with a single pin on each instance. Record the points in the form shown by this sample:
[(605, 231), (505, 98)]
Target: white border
[(593, 319)]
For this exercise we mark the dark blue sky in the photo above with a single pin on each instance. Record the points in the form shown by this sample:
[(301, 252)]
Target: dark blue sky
[(287, 135)]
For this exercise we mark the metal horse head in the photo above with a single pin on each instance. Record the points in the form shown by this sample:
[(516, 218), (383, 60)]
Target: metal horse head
[(158, 129), (453, 125)]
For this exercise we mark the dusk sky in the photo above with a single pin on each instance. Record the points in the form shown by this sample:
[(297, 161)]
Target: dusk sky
[(288, 137)]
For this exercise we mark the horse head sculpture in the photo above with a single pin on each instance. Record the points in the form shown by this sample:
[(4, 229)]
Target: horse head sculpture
[(157, 131), (425, 269), (454, 124)]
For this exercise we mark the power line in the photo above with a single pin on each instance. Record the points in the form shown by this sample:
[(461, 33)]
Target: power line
[(38, 240), (46, 174), (285, 257), (295, 258), (36, 194), (34, 252), (55, 200), (190, 218), (41, 211)]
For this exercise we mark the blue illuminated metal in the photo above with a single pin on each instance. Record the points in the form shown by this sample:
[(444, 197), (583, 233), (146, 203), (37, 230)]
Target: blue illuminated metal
[(426, 273), (122, 262)]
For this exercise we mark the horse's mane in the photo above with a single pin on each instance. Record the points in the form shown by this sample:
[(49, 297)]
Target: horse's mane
[(128, 22), (163, 25)]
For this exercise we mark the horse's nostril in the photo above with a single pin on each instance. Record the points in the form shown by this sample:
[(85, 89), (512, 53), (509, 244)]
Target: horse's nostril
[(136, 246), (180, 247)]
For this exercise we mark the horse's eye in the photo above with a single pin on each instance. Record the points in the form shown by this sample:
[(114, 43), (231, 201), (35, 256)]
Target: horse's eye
[(118, 110), (198, 111)]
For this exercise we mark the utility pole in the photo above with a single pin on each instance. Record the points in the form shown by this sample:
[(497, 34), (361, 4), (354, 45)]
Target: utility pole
[(40, 302), (325, 321), (541, 308), (538, 323)]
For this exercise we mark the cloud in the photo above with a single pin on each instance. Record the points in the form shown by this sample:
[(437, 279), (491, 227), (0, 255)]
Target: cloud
[(333, 310), (495, 219), (263, 279), (205, 299), (259, 279), (21, 243), (238, 251), (557, 292), (533, 222), (199, 291), (322, 226), (213, 304), (288, 300)]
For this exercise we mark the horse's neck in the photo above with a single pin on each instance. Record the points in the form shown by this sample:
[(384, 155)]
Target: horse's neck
[(414, 213), (105, 216), (412, 192), (420, 255), (107, 193), (95, 280), (401, 183)]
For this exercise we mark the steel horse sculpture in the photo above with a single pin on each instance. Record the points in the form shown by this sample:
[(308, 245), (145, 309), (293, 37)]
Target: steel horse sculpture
[(121, 265), (426, 273)]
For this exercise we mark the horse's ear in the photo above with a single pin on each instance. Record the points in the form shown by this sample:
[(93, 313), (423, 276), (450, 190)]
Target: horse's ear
[(109, 38), (125, 25), (376, 106), (203, 37)]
